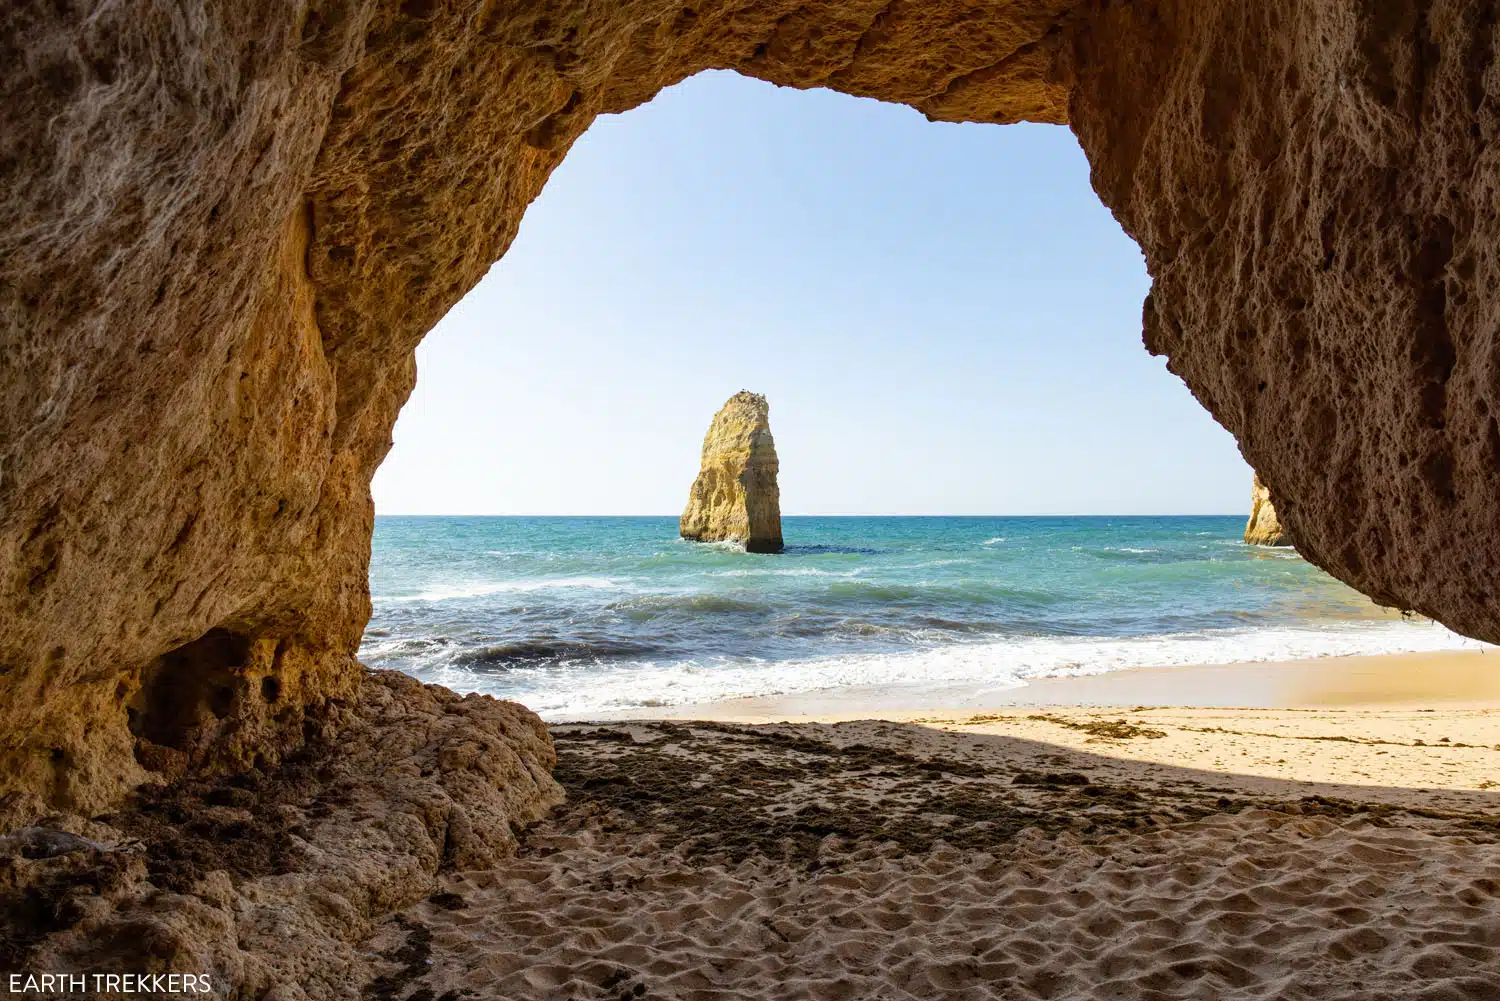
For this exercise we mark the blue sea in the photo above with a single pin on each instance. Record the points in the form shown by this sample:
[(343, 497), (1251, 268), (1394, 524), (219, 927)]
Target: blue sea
[(581, 616)]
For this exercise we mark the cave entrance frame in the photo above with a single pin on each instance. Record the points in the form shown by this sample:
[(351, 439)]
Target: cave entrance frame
[(215, 323)]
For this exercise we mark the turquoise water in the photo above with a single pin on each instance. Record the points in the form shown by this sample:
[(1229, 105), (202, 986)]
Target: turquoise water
[(574, 616)]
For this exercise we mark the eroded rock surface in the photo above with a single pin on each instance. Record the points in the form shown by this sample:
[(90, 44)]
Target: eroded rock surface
[(735, 497), (268, 880), (1263, 528), (222, 236), (1314, 185)]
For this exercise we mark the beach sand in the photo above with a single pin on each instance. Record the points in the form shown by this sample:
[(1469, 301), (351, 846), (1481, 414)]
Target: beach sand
[(1419, 680), (1342, 845)]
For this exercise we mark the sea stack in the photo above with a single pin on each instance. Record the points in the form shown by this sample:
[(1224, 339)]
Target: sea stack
[(735, 497), (1263, 529)]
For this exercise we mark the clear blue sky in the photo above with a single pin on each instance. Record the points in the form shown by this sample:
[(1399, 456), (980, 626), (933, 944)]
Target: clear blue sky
[(944, 318)]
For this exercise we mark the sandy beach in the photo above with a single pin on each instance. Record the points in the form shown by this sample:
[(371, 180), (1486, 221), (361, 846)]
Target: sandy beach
[(1342, 845)]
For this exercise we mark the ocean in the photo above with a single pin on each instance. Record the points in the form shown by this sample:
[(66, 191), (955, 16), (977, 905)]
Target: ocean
[(580, 616)]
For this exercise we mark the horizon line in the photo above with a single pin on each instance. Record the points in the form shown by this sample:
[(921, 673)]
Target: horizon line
[(1185, 514)]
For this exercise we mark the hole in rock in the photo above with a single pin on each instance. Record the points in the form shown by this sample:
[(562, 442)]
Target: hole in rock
[(944, 320), (188, 687)]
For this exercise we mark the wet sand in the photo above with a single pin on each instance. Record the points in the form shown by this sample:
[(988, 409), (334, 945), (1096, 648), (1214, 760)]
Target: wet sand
[(1344, 845), (1413, 680)]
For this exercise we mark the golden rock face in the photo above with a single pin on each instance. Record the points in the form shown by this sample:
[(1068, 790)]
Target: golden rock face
[(1263, 529), (735, 497), (222, 238)]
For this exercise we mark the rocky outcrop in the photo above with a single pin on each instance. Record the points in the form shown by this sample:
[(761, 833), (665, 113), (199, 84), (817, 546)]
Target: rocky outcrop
[(1263, 529), (735, 497), (268, 881), (222, 236)]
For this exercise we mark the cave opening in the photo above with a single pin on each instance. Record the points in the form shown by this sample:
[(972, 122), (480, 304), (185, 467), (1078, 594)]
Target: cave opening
[(946, 322), (189, 689)]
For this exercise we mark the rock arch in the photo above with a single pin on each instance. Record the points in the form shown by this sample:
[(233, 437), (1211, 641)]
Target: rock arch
[(226, 227)]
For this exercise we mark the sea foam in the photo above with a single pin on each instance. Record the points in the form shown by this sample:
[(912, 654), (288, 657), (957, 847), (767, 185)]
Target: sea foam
[(574, 690)]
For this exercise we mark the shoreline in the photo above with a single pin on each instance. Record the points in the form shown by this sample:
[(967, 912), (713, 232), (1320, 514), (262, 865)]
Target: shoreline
[(1408, 728), (1451, 678)]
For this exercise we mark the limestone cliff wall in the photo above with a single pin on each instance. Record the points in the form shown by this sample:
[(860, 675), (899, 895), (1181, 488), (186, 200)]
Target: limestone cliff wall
[(1263, 528), (222, 235), (1313, 185), (735, 496)]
